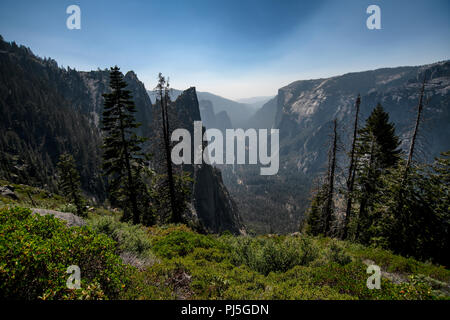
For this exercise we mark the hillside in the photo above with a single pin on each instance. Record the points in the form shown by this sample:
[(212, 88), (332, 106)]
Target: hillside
[(174, 262), (50, 110)]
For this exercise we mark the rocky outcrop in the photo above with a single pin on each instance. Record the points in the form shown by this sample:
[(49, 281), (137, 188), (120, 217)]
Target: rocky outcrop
[(219, 120), (8, 191), (70, 219), (237, 113), (212, 204), (207, 114)]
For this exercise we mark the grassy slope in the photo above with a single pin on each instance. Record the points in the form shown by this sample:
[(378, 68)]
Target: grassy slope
[(174, 262)]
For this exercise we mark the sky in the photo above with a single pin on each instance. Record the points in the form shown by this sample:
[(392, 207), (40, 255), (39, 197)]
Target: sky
[(236, 49)]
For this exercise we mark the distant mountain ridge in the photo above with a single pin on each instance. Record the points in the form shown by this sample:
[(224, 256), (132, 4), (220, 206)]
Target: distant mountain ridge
[(255, 102), (305, 107), (303, 112)]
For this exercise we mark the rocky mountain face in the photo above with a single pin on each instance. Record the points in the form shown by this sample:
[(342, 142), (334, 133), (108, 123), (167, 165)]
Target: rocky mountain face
[(47, 110), (303, 112), (235, 114), (213, 205), (238, 113), (306, 108), (265, 116)]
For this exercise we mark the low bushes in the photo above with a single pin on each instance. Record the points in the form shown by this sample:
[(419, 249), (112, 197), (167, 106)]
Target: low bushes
[(130, 238), (35, 252), (179, 243), (266, 255)]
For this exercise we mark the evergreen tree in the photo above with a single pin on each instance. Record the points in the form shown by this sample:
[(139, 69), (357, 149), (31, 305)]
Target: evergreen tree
[(377, 150), (314, 221), (69, 182), (122, 157), (439, 198), (416, 224)]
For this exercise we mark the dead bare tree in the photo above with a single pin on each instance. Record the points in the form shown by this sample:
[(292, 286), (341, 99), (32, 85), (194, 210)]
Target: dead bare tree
[(416, 130), (164, 99), (351, 171), (328, 214)]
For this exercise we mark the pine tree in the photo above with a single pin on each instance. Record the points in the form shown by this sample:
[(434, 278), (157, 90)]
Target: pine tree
[(69, 182), (418, 223), (315, 215), (377, 150), (440, 200), (404, 204), (122, 157)]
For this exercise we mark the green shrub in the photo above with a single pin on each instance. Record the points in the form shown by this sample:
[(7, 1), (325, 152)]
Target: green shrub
[(180, 243), (130, 238), (266, 255), (337, 254), (35, 252)]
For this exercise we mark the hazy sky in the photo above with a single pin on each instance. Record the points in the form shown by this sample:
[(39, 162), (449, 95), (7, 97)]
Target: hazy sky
[(236, 49)]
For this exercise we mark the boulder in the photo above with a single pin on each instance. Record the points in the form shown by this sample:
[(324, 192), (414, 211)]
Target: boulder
[(71, 219), (8, 191)]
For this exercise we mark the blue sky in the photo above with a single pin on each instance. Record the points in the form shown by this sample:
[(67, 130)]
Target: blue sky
[(236, 49)]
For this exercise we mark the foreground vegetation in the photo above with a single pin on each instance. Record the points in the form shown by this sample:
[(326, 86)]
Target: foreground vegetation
[(119, 260)]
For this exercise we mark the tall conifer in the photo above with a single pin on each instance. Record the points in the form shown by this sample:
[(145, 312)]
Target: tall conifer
[(377, 150), (122, 147)]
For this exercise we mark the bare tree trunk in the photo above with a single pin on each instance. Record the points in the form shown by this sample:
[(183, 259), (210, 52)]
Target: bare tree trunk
[(164, 98), (351, 172), (331, 172), (32, 201), (416, 130)]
